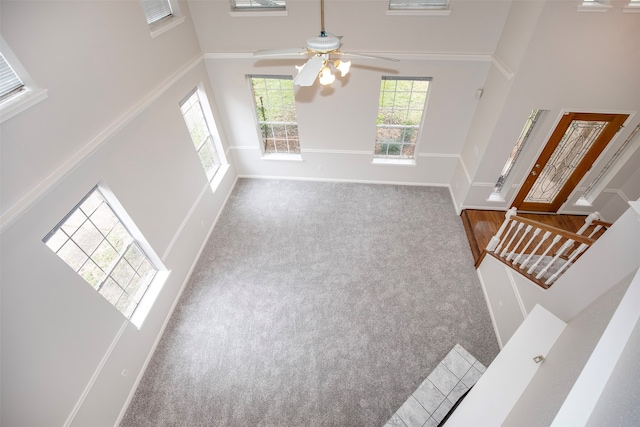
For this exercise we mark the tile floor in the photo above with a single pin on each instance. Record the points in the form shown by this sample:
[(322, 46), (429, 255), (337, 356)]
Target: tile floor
[(433, 399)]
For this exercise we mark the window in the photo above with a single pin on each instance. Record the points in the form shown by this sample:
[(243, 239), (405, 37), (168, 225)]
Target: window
[(401, 109), (276, 111), (96, 244), (10, 83), (419, 7), (613, 166), (193, 111), (161, 15), (632, 7), (594, 6), (418, 4), (515, 153), (155, 10), (258, 4), (18, 91)]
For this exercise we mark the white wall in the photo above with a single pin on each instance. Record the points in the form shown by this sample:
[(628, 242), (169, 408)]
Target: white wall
[(337, 129), (337, 124), (543, 397), (559, 71), (618, 404), (474, 26), (614, 256), (112, 115)]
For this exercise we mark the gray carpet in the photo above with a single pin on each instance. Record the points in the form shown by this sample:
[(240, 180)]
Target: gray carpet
[(316, 304)]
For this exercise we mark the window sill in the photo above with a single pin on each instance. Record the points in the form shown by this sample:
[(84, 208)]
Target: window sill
[(165, 25), (396, 162), (419, 12), (582, 202), (257, 13), (282, 156), (218, 177), (495, 198), (598, 7), (631, 8), (149, 298), (21, 102)]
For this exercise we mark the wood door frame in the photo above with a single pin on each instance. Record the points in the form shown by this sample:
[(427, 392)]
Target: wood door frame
[(615, 122)]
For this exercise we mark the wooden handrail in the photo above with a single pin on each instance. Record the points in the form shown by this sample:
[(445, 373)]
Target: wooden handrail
[(555, 230), (601, 223), (539, 251)]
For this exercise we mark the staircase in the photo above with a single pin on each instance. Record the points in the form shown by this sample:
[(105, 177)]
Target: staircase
[(539, 251), (569, 351), (520, 256)]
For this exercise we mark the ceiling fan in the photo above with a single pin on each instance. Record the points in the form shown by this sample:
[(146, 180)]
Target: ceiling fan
[(322, 48)]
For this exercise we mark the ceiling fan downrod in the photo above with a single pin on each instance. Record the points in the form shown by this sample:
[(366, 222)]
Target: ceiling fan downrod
[(322, 31)]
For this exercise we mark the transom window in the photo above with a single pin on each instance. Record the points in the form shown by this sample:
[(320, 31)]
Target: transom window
[(275, 104), (400, 115), (95, 243), (156, 10), (418, 4), (194, 116), (10, 83), (258, 4)]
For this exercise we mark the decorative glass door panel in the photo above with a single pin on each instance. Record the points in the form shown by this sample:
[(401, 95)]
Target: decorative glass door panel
[(575, 144)]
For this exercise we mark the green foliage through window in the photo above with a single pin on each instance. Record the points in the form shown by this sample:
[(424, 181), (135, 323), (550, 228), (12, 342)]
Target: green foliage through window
[(93, 242), (275, 105), (400, 111), (194, 117)]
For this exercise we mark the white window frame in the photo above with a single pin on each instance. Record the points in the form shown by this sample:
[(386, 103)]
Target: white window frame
[(419, 7), (166, 23), (211, 127), (501, 188), (259, 122), (632, 7), (594, 6), (151, 291), (611, 169), (255, 9), (24, 99), (398, 160)]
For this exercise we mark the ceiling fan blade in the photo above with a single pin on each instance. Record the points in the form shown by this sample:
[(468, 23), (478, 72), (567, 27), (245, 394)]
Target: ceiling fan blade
[(364, 55), (281, 52), (308, 73)]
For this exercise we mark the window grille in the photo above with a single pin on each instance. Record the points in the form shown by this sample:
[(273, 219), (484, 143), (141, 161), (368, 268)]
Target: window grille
[(194, 117), (96, 244), (400, 114), (275, 104)]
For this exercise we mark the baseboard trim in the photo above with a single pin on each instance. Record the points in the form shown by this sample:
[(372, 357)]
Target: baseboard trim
[(485, 208), (491, 315), (354, 181), (173, 307)]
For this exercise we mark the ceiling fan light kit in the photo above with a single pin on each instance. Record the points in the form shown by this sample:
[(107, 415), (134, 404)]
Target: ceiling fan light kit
[(319, 65)]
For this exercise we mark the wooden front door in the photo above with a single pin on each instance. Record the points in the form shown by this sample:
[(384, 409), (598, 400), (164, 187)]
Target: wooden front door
[(570, 152)]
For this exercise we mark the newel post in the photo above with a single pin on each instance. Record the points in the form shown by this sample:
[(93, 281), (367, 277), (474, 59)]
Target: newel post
[(493, 243), (587, 222)]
